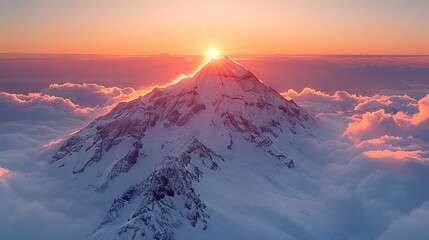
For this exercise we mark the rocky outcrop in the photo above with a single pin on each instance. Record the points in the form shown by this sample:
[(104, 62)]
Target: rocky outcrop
[(157, 214)]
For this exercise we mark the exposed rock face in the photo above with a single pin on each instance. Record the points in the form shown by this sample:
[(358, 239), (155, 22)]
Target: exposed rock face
[(173, 178), (189, 125)]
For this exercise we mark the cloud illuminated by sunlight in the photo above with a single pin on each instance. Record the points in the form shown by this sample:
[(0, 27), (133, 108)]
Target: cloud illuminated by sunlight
[(399, 155), (53, 143), (3, 171)]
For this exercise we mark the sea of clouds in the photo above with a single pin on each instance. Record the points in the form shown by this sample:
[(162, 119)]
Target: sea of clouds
[(375, 171), (34, 202), (376, 165)]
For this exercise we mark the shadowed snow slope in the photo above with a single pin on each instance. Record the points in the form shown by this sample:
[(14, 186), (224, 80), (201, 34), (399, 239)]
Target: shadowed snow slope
[(214, 156)]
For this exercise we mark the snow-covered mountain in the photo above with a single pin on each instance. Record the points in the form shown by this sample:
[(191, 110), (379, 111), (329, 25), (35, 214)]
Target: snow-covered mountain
[(214, 156)]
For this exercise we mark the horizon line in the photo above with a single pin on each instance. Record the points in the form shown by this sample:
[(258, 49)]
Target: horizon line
[(203, 55)]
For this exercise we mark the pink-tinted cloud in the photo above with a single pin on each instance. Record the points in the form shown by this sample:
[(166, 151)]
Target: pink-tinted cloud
[(423, 115), (3, 171), (375, 124), (53, 143), (393, 143), (399, 155), (394, 136), (383, 140), (371, 125), (395, 148), (382, 127)]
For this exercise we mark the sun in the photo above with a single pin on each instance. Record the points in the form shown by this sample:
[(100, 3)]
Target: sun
[(212, 53)]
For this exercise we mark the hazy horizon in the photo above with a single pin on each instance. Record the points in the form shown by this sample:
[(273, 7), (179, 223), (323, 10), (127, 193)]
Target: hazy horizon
[(24, 73)]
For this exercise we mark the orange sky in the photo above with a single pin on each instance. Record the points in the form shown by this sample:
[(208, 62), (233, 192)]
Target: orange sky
[(233, 27)]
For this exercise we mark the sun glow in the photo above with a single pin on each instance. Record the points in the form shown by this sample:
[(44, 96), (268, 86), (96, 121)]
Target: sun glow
[(212, 53)]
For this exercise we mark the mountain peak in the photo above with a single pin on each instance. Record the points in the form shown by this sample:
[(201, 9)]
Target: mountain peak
[(163, 144), (223, 67)]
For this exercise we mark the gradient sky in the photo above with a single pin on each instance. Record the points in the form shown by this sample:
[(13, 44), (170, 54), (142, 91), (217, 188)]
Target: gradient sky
[(234, 27)]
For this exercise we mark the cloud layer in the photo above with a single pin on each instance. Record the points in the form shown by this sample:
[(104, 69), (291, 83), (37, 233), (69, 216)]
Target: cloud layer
[(344, 102), (373, 169), (377, 166), (396, 126), (59, 101), (35, 203)]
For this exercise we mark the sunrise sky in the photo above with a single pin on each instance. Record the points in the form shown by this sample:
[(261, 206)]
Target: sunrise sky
[(233, 27)]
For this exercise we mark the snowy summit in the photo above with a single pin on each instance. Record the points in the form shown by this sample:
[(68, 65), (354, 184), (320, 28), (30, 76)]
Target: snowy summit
[(210, 157)]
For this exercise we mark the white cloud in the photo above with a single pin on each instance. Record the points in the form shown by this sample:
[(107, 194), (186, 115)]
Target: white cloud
[(91, 95), (319, 101), (59, 101), (368, 194), (410, 226), (344, 102), (34, 202), (35, 206)]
